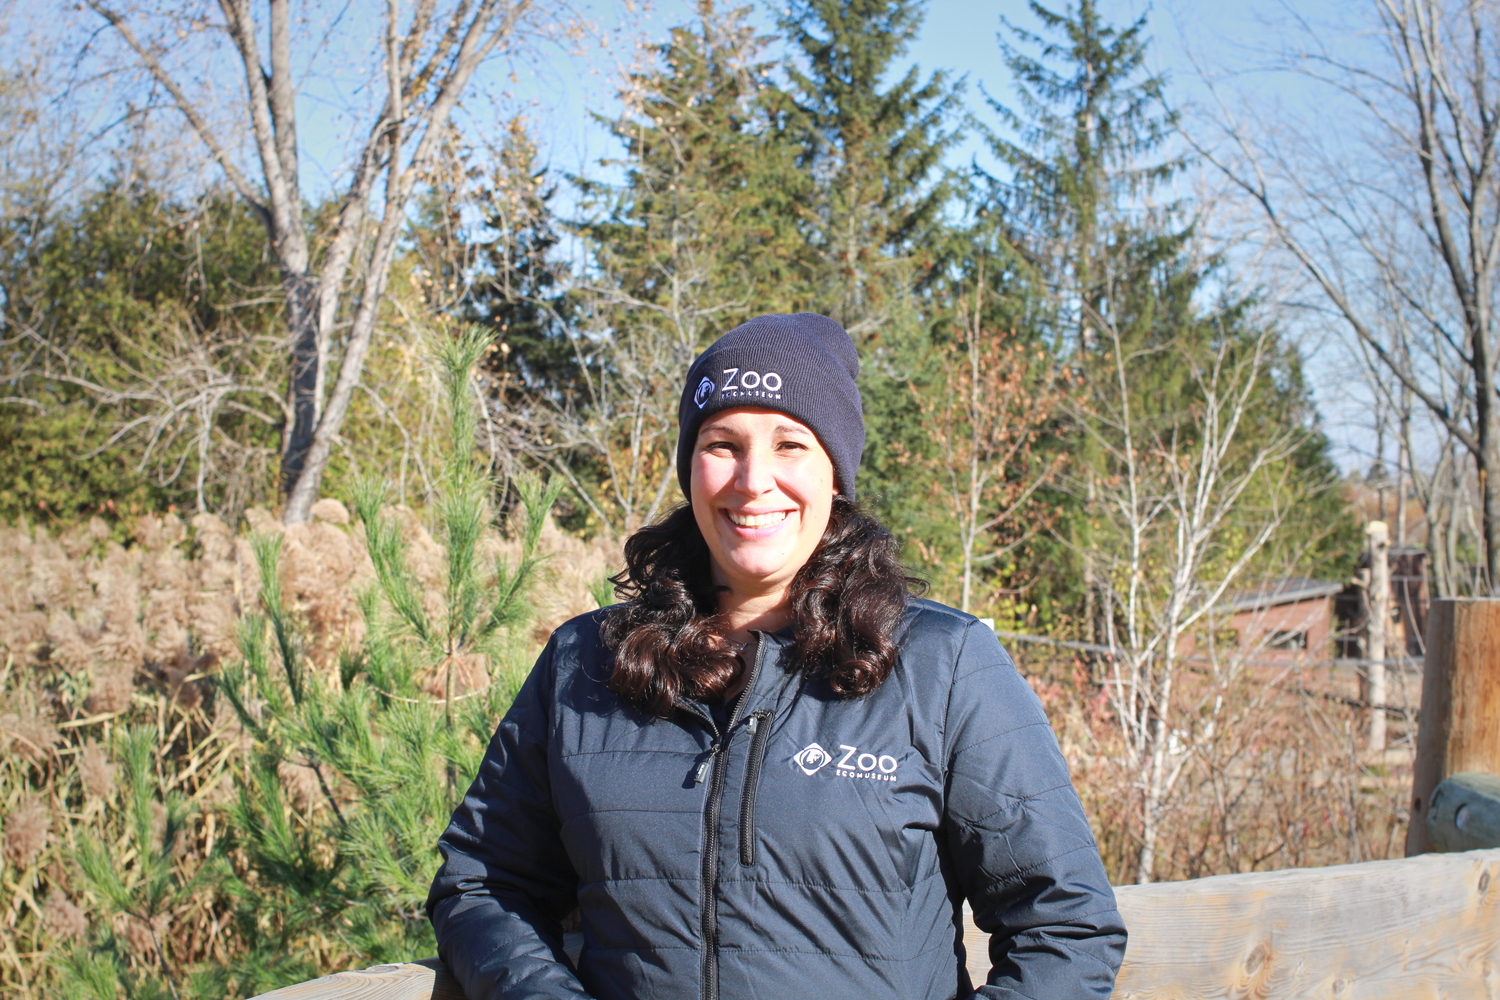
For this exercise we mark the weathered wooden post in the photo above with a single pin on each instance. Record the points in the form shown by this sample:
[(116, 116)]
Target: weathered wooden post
[(1377, 626), (1459, 726)]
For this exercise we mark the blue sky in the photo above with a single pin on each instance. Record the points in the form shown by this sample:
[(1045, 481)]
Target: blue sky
[(957, 36)]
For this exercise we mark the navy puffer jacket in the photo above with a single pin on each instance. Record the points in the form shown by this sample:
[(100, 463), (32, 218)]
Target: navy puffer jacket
[(816, 847)]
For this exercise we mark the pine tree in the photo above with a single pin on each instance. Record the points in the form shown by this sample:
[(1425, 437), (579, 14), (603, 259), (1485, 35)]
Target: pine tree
[(1087, 161), (506, 272), (874, 227), (380, 753), (1195, 439), (697, 238), (699, 234)]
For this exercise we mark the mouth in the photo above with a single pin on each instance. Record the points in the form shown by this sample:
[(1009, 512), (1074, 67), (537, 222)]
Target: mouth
[(757, 520)]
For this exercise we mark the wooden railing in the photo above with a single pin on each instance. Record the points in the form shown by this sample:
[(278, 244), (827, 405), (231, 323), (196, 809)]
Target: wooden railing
[(1424, 926), (1427, 926)]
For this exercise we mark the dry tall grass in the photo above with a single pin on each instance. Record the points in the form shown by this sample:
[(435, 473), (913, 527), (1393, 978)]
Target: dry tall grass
[(1272, 769), (97, 638)]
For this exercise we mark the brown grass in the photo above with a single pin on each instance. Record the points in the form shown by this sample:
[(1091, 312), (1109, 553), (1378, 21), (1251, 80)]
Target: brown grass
[(95, 634), (1273, 770)]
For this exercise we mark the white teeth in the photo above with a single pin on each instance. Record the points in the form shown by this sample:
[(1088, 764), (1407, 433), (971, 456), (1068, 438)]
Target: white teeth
[(758, 520)]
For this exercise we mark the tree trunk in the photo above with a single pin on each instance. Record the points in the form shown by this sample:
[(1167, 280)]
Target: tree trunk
[(1489, 492), (1156, 774), (303, 376), (1487, 435), (1152, 804)]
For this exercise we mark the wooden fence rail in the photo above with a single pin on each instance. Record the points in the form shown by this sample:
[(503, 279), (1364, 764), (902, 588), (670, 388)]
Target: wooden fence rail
[(1427, 926)]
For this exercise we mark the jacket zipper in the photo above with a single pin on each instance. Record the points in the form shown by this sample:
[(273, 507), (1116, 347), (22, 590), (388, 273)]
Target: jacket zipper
[(708, 898), (760, 734)]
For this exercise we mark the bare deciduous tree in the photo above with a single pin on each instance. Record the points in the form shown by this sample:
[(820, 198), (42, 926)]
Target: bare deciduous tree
[(430, 51), (985, 414), (1178, 535), (168, 388), (1395, 220)]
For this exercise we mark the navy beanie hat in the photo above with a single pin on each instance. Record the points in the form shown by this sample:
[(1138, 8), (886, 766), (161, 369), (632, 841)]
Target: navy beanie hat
[(802, 364)]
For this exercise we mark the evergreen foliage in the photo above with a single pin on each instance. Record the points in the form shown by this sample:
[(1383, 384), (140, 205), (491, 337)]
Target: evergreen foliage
[(115, 313), (1087, 161), (874, 228), (874, 224), (386, 752), (701, 234), (504, 274), (139, 881), (1131, 303), (348, 778), (698, 237)]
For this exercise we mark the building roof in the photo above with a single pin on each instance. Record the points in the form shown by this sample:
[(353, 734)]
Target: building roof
[(1285, 591)]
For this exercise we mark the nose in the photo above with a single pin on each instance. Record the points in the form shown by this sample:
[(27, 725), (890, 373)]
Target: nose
[(753, 476)]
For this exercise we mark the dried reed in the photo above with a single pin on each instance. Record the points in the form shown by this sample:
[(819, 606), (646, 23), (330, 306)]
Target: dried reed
[(97, 636)]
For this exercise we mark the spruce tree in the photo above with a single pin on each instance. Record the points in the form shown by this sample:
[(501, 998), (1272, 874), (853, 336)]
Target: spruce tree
[(699, 234), (1194, 439), (1087, 160), (697, 238), (520, 293), (874, 228)]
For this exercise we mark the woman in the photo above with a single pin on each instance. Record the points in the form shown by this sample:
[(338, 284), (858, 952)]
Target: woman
[(771, 773)]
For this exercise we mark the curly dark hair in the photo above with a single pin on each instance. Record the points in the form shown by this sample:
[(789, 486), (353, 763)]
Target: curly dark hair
[(668, 638)]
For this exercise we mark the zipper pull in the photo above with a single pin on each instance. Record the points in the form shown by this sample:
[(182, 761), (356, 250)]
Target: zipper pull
[(701, 775), (754, 723)]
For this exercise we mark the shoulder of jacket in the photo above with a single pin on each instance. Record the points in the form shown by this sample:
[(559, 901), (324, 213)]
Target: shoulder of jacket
[(936, 636), (929, 618), (936, 633), (581, 627), (576, 642)]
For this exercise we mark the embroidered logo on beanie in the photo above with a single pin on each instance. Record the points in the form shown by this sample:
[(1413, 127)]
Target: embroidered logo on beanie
[(705, 389), (752, 384)]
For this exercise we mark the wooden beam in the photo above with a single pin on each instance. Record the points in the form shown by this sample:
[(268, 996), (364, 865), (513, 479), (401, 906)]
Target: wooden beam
[(1377, 626), (1459, 726), (1385, 930), (425, 980)]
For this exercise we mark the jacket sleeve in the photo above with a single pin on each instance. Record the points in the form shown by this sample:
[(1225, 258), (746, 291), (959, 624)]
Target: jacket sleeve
[(1022, 849), (506, 882)]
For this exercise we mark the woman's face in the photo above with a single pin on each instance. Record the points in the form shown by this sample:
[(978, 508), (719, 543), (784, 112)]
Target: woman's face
[(762, 489)]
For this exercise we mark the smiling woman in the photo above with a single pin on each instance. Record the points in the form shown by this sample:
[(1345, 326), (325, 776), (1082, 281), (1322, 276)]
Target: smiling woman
[(673, 768), (762, 491)]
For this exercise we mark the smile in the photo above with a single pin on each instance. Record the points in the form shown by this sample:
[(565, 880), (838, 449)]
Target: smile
[(757, 520)]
